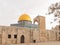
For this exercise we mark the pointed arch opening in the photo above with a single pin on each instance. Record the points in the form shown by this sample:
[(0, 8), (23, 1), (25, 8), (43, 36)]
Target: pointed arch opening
[(22, 39)]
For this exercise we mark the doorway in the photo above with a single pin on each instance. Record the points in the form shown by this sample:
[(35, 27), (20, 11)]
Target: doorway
[(22, 39)]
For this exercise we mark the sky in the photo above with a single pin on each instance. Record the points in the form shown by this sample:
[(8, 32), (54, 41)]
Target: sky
[(10, 10)]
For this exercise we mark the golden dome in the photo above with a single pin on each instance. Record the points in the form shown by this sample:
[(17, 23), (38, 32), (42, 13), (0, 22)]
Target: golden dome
[(24, 17)]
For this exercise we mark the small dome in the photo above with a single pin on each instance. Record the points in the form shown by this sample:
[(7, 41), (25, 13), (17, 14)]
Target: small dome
[(24, 17)]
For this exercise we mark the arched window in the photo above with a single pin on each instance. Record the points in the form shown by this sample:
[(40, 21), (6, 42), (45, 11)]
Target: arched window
[(22, 39)]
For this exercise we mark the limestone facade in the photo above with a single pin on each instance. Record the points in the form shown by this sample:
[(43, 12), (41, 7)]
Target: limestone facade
[(54, 34), (18, 35), (30, 35)]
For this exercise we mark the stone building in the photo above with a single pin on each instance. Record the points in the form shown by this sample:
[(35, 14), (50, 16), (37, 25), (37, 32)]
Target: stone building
[(26, 32), (54, 34), (56, 30)]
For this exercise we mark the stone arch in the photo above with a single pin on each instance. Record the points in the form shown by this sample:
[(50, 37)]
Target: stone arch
[(41, 27), (36, 19), (22, 39)]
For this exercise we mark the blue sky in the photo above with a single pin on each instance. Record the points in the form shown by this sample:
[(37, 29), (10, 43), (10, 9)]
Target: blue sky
[(10, 10)]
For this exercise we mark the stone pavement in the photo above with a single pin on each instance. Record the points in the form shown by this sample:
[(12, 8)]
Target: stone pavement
[(42, 43)]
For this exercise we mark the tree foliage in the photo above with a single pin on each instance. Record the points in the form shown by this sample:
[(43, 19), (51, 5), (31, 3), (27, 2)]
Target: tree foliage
[(55, 9)]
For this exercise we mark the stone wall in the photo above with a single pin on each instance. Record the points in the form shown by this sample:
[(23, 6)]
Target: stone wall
[(31, 35)]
